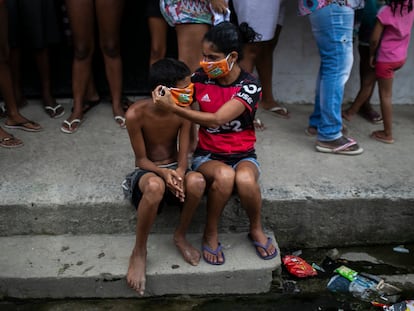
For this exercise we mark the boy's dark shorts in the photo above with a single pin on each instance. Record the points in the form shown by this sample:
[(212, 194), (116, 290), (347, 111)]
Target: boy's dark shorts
[(134, 194)]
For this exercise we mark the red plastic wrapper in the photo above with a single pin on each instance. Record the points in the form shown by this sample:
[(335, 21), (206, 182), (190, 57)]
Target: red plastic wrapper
[(298, 267)]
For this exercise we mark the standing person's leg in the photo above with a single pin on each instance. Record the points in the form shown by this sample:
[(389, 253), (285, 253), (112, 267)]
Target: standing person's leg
[(194, 185), (385, 93), (151, 188), (14, 118), (248, 189), (109, 14), (189, 37), (332, 27), (81, 16), (220, 183), (367, 78), (53, 109), (264, 66), (158, 28)]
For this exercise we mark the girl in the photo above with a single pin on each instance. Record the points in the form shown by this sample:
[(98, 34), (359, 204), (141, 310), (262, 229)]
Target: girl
[(228, 98), (388, 53)]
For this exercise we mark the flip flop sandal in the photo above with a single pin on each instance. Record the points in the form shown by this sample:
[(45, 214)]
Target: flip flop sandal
[(371, 116), (70, 129), (24, 126), (342, 149), (278, 111), (10, 142), (121, 121), (55, 112)]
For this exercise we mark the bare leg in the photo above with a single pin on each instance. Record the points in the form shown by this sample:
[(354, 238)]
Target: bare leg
[(153, 188), (367, 85), (81, 15), (109, 14), (194, 189), (158, 28), (251, 200), (220, 178), (385, 92), (6, 82), (15, 68), (189, 38)]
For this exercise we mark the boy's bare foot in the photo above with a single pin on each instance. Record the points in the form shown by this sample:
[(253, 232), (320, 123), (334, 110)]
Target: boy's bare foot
[(136, 272), (20, 122), (189, 252)]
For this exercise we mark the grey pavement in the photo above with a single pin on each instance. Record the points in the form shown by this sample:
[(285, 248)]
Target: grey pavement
[(60, 183), (62, 189)]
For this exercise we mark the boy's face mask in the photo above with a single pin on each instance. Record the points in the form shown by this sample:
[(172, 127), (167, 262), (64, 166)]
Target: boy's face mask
[(182, 97), (217, 69)]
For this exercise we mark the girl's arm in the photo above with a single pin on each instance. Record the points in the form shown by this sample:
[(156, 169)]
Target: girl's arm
[(229, 111), (374, 42)]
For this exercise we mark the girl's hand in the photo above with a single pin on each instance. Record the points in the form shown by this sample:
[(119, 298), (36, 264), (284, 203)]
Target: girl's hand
[(161, 96)]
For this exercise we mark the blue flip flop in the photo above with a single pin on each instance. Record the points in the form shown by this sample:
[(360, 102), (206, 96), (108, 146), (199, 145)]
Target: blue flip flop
[(264, 247), (214, 252)]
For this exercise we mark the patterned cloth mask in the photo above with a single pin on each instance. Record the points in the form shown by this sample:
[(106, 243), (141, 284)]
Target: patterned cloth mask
[(182, 97), (217, 69)]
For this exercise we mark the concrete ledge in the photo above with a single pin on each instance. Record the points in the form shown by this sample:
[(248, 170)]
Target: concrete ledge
[(70, 184), (95, 266)]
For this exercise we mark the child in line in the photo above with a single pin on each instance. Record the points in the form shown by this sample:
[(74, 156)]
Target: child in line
[(361, 105), (388, 52)]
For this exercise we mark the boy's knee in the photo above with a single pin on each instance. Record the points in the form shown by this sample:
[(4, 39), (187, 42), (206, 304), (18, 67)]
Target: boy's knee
[(154, 188)]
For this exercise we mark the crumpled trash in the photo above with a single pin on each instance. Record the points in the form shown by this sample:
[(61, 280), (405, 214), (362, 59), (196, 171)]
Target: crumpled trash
[(407, 305), (298, 267)]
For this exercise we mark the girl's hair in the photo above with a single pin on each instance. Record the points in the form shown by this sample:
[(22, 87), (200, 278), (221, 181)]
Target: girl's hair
[(227, 37), (394, 4), (167, 71)]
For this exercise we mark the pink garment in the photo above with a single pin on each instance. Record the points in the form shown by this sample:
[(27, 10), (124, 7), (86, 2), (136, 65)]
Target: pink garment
[(396, 35)]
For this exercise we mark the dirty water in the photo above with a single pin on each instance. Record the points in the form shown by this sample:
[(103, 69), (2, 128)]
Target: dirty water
[(287, 293)]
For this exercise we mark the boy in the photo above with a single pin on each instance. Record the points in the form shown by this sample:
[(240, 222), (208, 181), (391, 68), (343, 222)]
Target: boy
[(160, 140)]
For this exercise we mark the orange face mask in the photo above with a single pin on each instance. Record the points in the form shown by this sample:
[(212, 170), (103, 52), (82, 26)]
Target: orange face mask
[(183, 97), (216, 69)]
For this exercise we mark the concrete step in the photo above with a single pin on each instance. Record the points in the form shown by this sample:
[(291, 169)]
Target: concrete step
[(94, 266), (71, 184)]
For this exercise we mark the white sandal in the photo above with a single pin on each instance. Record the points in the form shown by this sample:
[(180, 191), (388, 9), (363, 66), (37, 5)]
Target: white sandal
[(69, 129)]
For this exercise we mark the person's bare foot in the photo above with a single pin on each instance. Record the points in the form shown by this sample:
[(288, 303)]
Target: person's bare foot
[(347, 115), (189, 252), (18, 121), (382, 137), (136, 272)]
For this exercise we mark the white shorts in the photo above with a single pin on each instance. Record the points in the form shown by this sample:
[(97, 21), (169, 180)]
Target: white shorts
[(262, 15)]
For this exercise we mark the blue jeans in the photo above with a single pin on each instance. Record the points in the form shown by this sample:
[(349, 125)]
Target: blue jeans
[(332, 28)]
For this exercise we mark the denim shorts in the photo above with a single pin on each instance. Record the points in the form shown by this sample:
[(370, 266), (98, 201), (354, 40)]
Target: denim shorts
[(201, 159)]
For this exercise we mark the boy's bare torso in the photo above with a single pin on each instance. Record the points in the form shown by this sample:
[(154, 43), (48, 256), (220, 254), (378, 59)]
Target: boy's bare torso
[(160, 131)]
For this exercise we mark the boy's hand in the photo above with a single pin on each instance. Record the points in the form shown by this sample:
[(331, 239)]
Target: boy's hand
[(174, 183)]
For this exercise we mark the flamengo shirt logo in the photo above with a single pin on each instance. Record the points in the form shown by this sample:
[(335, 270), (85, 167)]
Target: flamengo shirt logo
[(206, 98)]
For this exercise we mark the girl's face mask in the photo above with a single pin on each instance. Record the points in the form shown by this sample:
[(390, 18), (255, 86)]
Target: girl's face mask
[(217, 69), (182, 97)]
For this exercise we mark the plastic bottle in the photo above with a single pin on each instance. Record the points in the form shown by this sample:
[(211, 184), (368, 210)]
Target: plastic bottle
[(363, 288)]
